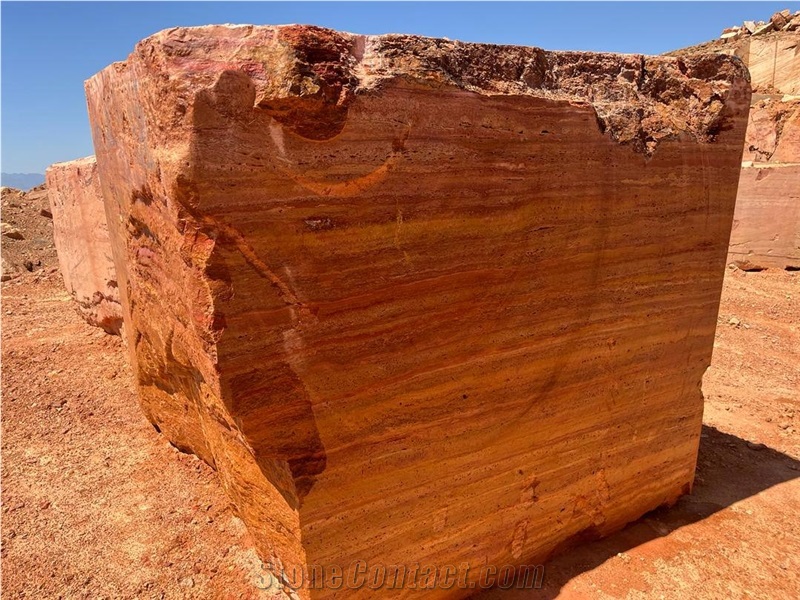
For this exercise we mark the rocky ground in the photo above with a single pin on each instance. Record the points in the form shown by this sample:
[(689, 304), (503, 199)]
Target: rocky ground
[(27, 232), (96, 504)]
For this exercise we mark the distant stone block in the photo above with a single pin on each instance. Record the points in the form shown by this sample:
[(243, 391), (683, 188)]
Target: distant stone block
[(82, 242)]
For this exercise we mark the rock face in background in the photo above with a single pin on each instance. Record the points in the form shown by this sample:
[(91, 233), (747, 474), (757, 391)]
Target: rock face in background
[(766, 229), (420, 301), (81, 237), (774, 62)]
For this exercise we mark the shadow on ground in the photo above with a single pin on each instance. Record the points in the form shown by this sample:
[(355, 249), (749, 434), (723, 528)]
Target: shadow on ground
[(729, 469)]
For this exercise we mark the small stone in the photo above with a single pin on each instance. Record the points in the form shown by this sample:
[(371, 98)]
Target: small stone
[(764, 29), (187, 582), (734, 321), (11, 232), (45, 212), (780, 19), (784, 425)]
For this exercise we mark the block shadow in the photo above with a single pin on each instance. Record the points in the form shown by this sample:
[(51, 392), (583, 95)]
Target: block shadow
[(728, 470)]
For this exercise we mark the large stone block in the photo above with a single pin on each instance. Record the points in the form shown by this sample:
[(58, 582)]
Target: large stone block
[(81, 238), (420, 301)]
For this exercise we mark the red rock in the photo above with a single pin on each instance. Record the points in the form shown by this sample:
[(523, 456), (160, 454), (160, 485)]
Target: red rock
[(773, 132), (767, 217), (420, 301), (766, 230), (787, 147), (762, 133), (81, 237)]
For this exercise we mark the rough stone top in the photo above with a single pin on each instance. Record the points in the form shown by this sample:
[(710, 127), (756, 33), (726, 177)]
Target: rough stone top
[(300, 69), (70, 164)]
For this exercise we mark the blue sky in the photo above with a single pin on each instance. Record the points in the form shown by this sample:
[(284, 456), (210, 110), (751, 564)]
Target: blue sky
[(50, 48)]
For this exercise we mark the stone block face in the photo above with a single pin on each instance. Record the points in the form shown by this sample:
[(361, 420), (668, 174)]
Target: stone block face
[(774, 62), (766, 229), (81, 237), (420, 301), (766, 226)]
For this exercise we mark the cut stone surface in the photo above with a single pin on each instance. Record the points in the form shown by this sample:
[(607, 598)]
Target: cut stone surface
[(774, 62), (766, 230), (420, 301), (81, 237)]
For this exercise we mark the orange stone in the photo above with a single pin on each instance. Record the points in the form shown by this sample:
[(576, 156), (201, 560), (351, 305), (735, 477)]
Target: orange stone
[(81, 238), (420, 301)]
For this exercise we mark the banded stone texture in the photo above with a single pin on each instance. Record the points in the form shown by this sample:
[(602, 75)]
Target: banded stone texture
[(420, 301), (81, 238), (773, 61)]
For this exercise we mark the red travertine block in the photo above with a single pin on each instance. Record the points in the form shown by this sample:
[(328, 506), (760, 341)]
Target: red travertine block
[(82, 242), (420, 301)]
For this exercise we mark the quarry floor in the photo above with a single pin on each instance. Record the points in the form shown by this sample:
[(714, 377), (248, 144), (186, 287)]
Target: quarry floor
[(96, 504)]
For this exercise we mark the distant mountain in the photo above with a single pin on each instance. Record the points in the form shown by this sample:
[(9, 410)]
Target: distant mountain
[(22, 181)]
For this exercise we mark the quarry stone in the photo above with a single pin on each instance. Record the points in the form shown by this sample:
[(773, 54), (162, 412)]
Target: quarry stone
[(420, 301), (81, 237)]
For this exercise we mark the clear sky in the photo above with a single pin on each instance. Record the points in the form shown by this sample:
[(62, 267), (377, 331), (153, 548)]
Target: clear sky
[(50, 48)]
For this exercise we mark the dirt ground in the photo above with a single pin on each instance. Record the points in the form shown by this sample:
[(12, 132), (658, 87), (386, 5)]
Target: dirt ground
[(27, 232), (96, 504)]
